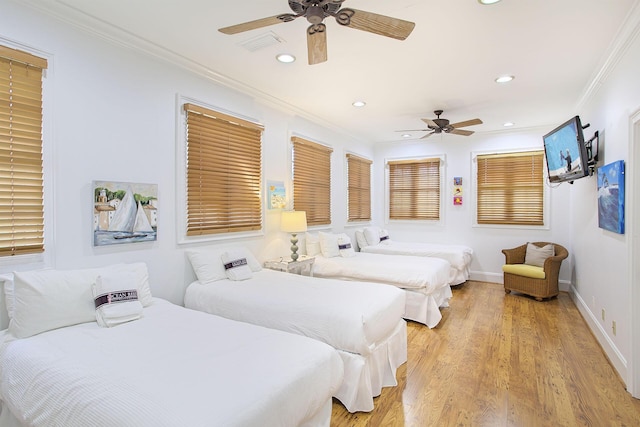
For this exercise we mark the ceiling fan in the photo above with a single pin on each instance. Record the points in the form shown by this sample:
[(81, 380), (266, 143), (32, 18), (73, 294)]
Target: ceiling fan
[(316, 10), (442, 125)]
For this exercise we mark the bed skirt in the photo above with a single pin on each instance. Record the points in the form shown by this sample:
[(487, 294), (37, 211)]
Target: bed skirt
[(364, 376), (424, 308)]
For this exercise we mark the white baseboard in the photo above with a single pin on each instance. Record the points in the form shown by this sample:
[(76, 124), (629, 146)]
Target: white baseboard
[(615, 357)]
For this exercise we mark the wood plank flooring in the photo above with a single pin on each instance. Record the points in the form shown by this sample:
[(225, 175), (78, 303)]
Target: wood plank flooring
[(502, 360)]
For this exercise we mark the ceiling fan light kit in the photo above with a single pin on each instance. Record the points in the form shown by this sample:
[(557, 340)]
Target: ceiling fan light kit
[(315, 11)]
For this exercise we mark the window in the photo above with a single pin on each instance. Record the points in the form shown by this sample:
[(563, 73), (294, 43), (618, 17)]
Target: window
[(224, 156), (510, 188), (21, 173), (359, 188), (312, 180), (414, 189)]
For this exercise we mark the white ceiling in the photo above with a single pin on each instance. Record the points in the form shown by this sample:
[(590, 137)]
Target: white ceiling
[(554, 48)]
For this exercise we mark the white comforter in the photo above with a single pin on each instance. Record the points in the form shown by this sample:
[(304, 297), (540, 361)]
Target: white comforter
[(459, 256), (353, 316), (408, 272), (173, 367)]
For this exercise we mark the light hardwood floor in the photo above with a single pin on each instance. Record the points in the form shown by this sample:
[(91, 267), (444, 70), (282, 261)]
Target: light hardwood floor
[(502, 360)]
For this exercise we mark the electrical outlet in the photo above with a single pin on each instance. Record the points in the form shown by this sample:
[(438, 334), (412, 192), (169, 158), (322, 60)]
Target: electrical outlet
[(613, 327), (603, 314)]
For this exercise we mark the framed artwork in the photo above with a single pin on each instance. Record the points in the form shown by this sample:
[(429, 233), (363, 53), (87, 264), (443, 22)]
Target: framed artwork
[(276, 195), (611, 197), (124, 212)]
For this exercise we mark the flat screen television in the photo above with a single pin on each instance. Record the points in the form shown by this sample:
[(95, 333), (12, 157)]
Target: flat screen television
[(565, 151)]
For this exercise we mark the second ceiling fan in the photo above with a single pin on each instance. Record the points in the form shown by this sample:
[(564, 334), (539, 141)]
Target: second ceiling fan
[(439, 125), (316, 11)]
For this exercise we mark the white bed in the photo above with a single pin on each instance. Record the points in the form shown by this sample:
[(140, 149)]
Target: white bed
[(376, 240), (171, 367), (424, 280), (363, 321)]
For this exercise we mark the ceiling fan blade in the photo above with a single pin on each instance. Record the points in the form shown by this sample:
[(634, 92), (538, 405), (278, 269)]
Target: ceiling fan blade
[(461, 132), (317, 43), (428, 135), (258, 23), (466, 123), (430, 123), (377, 24)]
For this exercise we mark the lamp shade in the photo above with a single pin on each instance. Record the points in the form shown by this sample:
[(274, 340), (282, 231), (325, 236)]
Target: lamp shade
[(293, 221)]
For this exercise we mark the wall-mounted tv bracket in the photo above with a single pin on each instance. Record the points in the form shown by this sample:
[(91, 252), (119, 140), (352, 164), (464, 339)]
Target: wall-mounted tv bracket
[(592, 153)]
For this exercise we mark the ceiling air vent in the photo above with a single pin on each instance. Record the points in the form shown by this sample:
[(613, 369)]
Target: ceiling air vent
[(260, 42)]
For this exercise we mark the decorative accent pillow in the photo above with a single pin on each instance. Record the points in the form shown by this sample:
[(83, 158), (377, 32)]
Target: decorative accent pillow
[(372, 234), (536, 256), (329, 245), (115, 296), (384, 236), (312, 243), (236, 265), (345, 247), (142, 279), (360, 239)]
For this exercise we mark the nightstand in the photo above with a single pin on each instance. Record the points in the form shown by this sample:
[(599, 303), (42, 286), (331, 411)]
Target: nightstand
[(302, 264)]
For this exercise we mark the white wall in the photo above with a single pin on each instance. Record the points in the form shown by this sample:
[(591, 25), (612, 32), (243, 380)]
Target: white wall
[(602, 261), (114, 116)]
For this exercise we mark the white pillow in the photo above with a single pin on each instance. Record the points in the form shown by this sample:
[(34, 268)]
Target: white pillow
[(7, 285), (236, 265), (312, 242), (345, 247), (51, 299), (536, 256), (360, 239), (372, 234), (329, 245), (207, 264), (142, 279), (115, 295)]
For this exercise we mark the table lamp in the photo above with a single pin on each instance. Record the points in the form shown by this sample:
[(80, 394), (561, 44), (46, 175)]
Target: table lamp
[(294, 222)]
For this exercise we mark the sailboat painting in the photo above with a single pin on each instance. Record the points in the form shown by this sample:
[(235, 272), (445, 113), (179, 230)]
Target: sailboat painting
[(124, 212)]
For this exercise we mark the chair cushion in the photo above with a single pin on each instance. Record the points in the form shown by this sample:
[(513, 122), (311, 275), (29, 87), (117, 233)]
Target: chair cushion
[(524, 270)]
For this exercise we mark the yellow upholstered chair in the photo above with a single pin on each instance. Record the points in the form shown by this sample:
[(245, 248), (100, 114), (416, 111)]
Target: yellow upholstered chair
[(541, 280)]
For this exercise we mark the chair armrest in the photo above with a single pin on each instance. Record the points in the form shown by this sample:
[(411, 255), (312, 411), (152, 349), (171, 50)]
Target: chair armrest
[(515, 255)]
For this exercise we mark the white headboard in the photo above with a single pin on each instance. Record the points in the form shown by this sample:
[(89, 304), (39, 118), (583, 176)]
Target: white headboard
[(4, 317)]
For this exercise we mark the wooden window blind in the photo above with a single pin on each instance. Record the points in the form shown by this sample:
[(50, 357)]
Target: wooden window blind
[(312, 180), (21, 177), (414, 189), (224, 156), (510, 188), (359, 188)]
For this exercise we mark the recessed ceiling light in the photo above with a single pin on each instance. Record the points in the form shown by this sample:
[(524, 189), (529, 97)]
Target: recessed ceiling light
[(406, 135), (504, 79), (359, 104), (508, 124), (488, 1), (286, 58)]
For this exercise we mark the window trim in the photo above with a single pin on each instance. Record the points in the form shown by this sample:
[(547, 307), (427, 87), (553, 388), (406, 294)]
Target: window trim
[(546, 199), (181, 177), (387, 195), (47, 258)]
